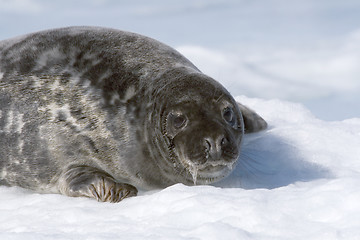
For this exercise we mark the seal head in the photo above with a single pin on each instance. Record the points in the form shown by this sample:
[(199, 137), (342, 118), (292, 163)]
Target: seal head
[(199, 129)]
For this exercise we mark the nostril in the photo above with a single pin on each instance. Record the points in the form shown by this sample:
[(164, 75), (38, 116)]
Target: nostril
[(207, 144), (214, 146), (223, 141)]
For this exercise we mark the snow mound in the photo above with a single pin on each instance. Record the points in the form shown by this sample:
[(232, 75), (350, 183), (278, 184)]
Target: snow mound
[(299, 179)]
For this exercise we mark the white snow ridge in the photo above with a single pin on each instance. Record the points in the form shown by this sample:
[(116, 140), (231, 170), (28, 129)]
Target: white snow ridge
[(299, 179)]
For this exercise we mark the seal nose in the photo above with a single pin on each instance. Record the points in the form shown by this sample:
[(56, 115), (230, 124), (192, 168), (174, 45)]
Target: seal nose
[(214, 147)]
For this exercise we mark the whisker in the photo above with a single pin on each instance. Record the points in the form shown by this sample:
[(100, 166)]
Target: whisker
[(254, 163)]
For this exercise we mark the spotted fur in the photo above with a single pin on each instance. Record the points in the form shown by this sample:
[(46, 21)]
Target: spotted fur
[(82, 112)]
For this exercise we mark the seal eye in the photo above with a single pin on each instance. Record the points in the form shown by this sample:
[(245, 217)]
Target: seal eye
[(229, 116), (178, 120)]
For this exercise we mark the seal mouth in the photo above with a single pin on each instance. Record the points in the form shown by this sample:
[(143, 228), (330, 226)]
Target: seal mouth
[(207, 172), (211, 173)]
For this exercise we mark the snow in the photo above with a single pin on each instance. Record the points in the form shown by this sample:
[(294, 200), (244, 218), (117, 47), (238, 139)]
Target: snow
[(294, 62), (297, 180)]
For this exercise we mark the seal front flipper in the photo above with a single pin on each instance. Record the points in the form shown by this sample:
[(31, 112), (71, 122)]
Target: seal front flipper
[(86, 181), (252, 121)]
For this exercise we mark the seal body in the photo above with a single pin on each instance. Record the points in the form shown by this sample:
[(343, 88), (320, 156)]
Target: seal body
[(98, 112)]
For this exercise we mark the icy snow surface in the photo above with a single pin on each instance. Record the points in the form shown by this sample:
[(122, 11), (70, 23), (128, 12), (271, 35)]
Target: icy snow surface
[(297, 180)]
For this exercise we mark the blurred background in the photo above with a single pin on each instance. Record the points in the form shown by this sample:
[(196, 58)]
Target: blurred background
[(302, 51)]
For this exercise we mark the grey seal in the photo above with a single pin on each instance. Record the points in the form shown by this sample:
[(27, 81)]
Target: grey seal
[(100, 113)]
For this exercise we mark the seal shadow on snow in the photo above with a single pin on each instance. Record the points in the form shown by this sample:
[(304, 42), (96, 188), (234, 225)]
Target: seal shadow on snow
[(269, 161)]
